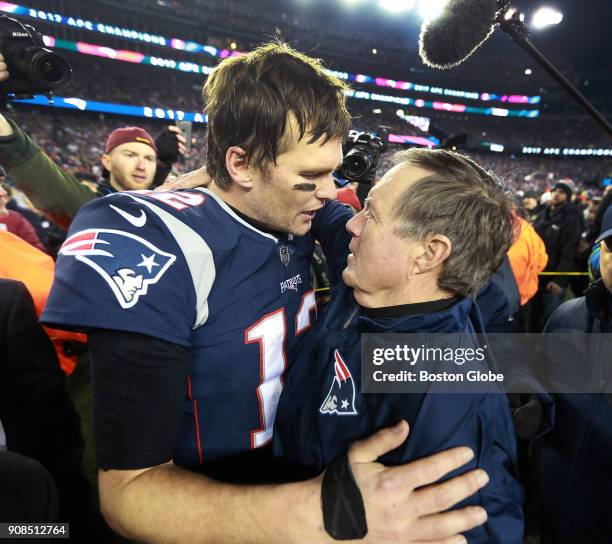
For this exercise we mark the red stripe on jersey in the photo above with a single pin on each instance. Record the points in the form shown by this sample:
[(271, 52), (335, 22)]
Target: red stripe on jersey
[(345, 374), (80, 236), (197, 423)]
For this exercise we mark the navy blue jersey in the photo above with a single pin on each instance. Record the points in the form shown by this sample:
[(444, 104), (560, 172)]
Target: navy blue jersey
[(183, 267)]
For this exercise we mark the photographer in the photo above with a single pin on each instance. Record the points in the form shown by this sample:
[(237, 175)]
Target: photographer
[(132, 161)]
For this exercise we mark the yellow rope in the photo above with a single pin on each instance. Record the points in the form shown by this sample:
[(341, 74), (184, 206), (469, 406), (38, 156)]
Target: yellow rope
[(564, 273)]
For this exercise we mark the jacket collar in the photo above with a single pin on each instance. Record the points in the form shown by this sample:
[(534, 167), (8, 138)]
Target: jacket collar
[(441, 320)]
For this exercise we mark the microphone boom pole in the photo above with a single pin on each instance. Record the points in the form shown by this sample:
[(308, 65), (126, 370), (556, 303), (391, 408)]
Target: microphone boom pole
[(516, 29)]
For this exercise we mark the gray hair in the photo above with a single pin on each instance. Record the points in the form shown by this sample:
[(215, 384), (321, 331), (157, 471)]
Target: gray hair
[(464, 203)]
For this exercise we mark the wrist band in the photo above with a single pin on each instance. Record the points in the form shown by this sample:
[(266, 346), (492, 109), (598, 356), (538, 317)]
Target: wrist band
[(343, 509)]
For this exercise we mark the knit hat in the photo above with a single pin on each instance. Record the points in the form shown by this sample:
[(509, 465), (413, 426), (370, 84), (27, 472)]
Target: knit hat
[(531, 194), (127, 135), (567, 186)]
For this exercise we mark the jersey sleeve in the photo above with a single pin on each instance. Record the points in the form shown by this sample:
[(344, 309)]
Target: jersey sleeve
[(125, 266), (329, 228), (138, 392)]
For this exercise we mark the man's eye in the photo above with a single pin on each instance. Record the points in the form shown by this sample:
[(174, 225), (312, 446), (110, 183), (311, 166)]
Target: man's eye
[(310, 176)]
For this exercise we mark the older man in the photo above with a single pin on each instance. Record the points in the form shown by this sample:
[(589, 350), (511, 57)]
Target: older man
[(432, 232)]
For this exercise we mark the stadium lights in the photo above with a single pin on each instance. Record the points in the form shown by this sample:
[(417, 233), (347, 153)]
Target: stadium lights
[(546, 17), (528, 71), (430, 9), (397, 5)]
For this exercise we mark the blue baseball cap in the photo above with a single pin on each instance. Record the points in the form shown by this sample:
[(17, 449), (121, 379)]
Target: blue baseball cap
[(606, 225)]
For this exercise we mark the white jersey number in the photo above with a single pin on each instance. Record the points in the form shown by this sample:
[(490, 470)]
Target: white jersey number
[(270, 332)]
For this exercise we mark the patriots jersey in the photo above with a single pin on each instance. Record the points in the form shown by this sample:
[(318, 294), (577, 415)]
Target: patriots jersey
[(185, 268)]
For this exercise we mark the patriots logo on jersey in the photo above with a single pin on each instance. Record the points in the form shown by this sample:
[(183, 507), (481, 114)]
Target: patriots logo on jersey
[(128, 263), (341, 397)]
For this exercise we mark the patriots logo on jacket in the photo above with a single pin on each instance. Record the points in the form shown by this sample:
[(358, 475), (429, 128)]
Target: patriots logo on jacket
[(128, 263), (341, 397)]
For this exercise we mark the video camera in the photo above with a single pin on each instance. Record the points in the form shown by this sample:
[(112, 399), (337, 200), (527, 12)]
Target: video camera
[(361, 152), (34, 69)]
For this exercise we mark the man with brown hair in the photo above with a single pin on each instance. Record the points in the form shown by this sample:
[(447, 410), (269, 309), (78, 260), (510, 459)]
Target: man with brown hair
[(205, 294)]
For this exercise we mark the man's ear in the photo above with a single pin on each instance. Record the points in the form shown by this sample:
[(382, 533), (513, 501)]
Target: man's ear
[(238, 167), (106, 161), (436, 249)]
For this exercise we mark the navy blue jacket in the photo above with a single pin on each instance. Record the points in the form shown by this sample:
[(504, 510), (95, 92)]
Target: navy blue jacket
[(573, 462), (307, 433)]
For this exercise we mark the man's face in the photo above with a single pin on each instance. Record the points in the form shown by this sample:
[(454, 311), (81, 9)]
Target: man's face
[(559, 197), (605, 264), (379, 263), (132, 166), (286, 196), (530, 203)]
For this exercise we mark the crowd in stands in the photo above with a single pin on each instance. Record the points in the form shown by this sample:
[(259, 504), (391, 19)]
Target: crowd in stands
[(139, 85), (77, 146)]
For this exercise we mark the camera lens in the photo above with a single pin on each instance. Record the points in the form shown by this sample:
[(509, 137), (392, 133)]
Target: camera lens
[(50, 69), (356, 163)]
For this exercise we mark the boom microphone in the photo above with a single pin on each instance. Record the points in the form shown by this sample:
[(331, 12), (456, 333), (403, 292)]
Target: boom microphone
[(462, 27)]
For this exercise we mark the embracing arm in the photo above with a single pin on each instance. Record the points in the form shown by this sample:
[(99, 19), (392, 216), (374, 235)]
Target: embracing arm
[(56, 193), (146, 497)]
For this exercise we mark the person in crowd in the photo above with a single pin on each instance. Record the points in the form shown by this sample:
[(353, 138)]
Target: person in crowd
[(605, 203), (417, 259), (132, 160), (15, 223), (173, 286), (23, 262), (560, 228), (39, 422), (532, 205), (576, 506), (528, 258), (50, 235)]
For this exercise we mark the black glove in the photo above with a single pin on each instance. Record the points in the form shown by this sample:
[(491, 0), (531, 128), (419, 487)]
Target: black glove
[(527, 414), (167, 147)]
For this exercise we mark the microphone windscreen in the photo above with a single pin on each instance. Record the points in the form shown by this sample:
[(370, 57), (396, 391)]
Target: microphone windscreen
[(461, 28)]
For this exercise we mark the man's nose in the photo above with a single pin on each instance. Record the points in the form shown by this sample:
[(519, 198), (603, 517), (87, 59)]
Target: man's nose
[(355, 224), (327, 190)]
